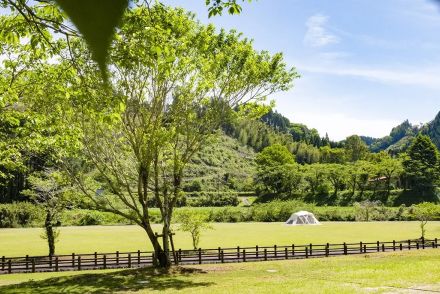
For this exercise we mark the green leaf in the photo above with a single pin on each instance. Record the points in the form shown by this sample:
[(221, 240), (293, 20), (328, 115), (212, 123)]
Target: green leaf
[(96, 20)]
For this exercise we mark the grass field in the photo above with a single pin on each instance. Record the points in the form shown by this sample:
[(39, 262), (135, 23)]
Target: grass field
[(406, 272), (19, 242)]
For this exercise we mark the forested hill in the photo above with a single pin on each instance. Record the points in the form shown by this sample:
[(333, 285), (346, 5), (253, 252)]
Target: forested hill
[(401, 136)]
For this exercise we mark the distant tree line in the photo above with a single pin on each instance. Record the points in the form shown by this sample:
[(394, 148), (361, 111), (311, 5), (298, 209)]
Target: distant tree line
[(352, 171)]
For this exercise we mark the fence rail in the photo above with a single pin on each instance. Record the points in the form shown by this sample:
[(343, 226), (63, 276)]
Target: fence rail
[(139, 258)]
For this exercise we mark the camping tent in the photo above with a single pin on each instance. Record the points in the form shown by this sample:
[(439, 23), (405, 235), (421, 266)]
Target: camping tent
[(302, 218)]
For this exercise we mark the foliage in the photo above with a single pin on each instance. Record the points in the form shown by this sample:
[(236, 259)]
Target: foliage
[(355, 148), (366, 209), (422, 165), (194, 224), (213, 199), (277, 172), (49, 191), (21, 214), (423, 213), (173, 77)]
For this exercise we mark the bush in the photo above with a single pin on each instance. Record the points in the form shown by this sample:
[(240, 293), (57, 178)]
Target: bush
[(20, 214), (212, 199)]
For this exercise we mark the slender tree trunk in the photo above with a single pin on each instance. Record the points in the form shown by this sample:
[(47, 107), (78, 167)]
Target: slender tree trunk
[(50, 233)]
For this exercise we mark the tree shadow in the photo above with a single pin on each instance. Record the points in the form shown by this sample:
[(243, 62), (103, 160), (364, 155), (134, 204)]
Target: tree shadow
[(122, 281)]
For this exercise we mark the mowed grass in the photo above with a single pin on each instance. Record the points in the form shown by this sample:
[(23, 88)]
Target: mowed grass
[(19, 242), (399, 272)]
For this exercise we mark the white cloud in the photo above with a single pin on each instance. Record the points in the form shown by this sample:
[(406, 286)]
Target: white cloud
[(317, 34), (403, 76)]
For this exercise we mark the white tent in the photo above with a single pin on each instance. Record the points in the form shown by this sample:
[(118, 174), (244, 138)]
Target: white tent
[(302, 218)]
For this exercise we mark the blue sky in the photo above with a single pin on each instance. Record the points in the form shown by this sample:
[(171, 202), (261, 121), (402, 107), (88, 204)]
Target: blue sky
[(366, 65)]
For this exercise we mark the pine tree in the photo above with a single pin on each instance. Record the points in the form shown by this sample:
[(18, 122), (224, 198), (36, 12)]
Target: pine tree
[(421, 165)]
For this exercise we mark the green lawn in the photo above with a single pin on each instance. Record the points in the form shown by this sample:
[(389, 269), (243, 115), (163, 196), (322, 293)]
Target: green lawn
[(19, 242), (401, 272)]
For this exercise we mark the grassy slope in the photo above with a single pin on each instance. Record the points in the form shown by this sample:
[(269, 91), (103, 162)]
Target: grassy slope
[(225, 155), (19, 242), (378, 273)]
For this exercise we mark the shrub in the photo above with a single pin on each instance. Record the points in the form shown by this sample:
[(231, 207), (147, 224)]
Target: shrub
[(19, 214), (215, 199)]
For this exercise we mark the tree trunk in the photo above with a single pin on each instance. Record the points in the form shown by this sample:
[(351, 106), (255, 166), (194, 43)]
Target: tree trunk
[(162, 259), (50, 233)]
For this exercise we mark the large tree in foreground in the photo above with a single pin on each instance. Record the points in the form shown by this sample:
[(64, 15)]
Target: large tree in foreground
[(176, 82)]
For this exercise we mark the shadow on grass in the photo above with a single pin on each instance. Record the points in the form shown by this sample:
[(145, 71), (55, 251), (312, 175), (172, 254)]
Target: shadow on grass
[(122, 281)]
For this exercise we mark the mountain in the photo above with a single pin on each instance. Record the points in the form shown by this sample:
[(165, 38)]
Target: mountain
[(432, 129), (401, 136), (398, 140)]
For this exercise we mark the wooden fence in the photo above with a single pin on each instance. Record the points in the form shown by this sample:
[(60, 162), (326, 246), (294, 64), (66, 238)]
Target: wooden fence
[(117, 259)]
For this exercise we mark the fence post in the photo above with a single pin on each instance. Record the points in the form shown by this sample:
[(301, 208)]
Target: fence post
[(365, 248), (33, 265), (256, 251), (129, 260), (265, 254), (311, 249), (139, 257), (223, 256), (50, 261), (117, 257), (285, 253), (394, 245), (9, 266), (96, 258), (105, 261), (417, 245), (377, 244), (327, 247), (238, 253), (79, 263), (219, 249), (433, 244), (436, 244), (409, 244), (307, 252), (400, 246), (423, 242), (345, 248), (56, 263), (3, 262), (180, 254), (275, 250), (293, 249), (360, 246), (383, 247), (73, 259), (244, 255), (200, 255), (27, 261)]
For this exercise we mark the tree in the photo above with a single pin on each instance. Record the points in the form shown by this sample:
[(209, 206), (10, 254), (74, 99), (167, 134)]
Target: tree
[(355, 148), (421, 165), (177, 82), (273, 156), (424, 213), (194, 223), (277, 172), (49, 190), (315, 176), (95, 20), (366, 208), (337, 175), (390, 168), (30, 88)]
